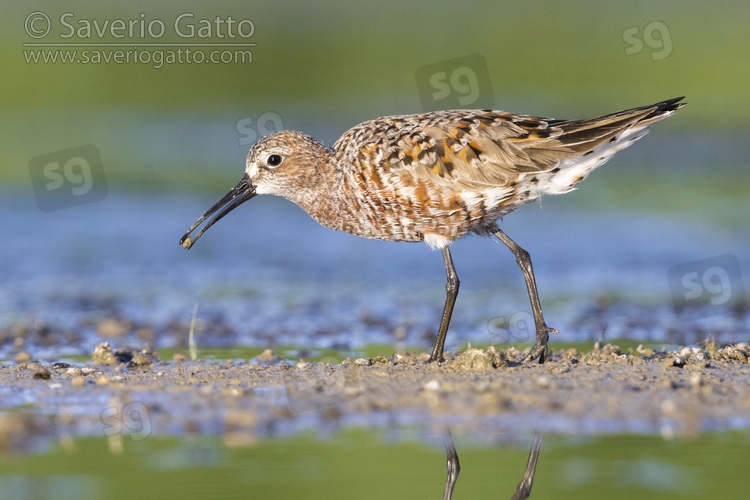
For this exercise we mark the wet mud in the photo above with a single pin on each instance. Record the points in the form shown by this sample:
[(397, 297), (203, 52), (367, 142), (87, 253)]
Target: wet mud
[(130, 393)]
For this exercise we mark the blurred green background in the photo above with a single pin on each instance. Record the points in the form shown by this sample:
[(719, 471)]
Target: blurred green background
[(323, 67), (326, 66)]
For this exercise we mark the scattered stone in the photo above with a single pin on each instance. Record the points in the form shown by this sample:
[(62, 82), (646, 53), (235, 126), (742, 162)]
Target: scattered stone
[(40, 371), (731, 352), (674, 360), (432, 385), (74, 372), (559, 368), (267, 357), (611, 349), (179, 357), (140, 360), (232, 391), (363, 361), (477, 360), (423, 357), (543, 382), (644, 351), (103, 355), (405, 358), (78, 381), (23, 357)]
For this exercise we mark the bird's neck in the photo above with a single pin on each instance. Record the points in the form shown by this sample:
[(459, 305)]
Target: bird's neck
[(325, 177)]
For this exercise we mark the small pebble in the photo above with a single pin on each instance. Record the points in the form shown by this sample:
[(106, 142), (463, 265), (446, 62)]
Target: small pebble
[(102, 381), (78, 381), (140, 359), (423, 357), (675, 360), (267, 356), (232, 391), (558, 369), (363, 361), (688, 352), (40, 371), (87, 370), (73, 371), (179, 357), (432, 385), (103, 354), (23, 357)]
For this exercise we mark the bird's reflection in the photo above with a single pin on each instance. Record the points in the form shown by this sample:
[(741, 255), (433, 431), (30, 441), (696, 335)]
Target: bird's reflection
[(523, 490)]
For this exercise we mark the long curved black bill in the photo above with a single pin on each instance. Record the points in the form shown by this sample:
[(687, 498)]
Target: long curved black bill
[(233, 199)]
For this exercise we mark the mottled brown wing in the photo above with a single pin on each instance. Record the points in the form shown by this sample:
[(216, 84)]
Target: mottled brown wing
[(483, 148)]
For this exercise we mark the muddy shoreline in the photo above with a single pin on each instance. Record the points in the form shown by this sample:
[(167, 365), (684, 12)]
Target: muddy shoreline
[(127, 393)]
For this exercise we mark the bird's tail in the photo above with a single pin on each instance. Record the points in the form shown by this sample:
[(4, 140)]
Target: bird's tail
[(595, 140)]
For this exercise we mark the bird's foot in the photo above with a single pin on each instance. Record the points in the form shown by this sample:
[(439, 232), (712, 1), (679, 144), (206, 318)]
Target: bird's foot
[(434, 359), (540, 349)]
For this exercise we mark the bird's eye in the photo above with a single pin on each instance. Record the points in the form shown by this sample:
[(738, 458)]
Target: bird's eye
[(274, 161)]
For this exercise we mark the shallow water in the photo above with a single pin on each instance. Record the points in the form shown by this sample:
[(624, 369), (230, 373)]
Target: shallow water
[(371, 464), (269, 275)]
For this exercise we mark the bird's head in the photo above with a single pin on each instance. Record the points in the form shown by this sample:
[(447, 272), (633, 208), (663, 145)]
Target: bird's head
[(281, 164)]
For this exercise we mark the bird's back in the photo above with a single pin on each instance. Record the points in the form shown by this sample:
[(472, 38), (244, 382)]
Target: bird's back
[(448, 173)]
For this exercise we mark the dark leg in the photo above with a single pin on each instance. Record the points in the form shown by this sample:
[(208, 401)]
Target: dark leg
[(452, 465), (523, 490), (451, 292), (542, 330)]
